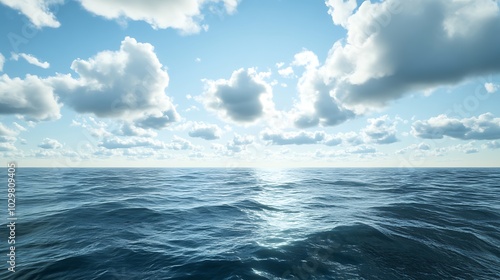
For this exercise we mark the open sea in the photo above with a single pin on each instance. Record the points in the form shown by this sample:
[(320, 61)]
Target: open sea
[(254, 224)]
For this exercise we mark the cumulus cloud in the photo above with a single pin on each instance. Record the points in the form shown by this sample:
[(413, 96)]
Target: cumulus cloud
[(205, 131), (293, 138), (341, 10), (333, 141), (183, 15), (286, 72), (37, 11), (483, 127), (381, 130), (352, 138), (30, 97), (129, 129), (421, 147), (395, 47), (244, 98), (316, 104), (50, 144), (31, 60), (179, 143), (128, 84)]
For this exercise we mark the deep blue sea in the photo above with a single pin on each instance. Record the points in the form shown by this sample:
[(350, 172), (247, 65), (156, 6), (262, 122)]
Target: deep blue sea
[(255, 224)]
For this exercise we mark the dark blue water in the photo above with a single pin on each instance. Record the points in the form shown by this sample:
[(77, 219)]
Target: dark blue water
[(256, 224)]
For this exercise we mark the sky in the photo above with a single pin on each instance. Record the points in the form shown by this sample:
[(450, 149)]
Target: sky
[(250, 83)]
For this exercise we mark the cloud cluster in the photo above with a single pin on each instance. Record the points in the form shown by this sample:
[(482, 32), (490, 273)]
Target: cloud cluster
[(483, 127), (128, 84), (31, 98), (341, 10), (238, 144), (244, 98), (177, 143), (37, 11), (316, 105), (50, 144), (395, 47), (205, 131), (381, 130), (184, 15), (293, 138)]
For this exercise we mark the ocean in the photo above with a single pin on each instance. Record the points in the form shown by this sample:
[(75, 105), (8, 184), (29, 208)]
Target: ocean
[(143, 223)]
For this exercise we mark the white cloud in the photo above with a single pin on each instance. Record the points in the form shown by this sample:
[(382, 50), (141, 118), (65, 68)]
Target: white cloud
[(490, 87), (468, 148), (316, 104), (131, 142), (389, 52), (50, 144), (129, 129), (31, 60), (293, 138), (286, 72), (2, 61), (341, 10), (128, 84), (333, 141), (351, 138), (395, 47), (96, 128), (239, 143), (417, 149), (244, 98), (179, 143), (483, 127), (184, 15), (32, 98), (19, 127), (205, 131), (37, 11), (381, 130)]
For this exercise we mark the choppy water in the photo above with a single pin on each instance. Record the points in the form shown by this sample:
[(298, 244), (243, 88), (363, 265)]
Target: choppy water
[(256, 224)]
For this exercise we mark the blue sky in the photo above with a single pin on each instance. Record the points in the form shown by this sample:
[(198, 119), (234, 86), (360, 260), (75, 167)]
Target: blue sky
[(250, 83)]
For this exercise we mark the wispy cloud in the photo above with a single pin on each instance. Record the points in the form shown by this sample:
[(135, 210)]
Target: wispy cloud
[(37, 11), (31, 59)]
